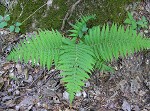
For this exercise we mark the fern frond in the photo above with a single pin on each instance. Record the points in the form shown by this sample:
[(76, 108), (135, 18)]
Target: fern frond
[(112, 42), (42, 48), (76, 61), (80, 26)]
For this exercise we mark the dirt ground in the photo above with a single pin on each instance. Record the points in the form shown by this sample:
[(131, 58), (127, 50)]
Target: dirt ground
[(27, 88)]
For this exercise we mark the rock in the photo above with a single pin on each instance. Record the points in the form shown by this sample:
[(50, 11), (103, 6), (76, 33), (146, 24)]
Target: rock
[(19, 69), (145, 31), (39, 104), (66, 95), (78, 94), (126, 106), (6, 98), (87, 84), (17, 92), (29, 80), (148, 6), (17, 107), (56, 100), (84, 94), (49, 3), (12, 75)]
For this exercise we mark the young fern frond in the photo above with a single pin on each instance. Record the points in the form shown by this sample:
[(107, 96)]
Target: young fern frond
[(80, 26), (42, 48), (76, 62), (112, 42)]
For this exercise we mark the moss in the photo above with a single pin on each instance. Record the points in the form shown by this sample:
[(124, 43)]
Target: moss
[(2, 9), (45, 19), (105, 10)]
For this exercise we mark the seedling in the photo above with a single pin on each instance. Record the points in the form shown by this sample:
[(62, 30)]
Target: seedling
[(136, 25)]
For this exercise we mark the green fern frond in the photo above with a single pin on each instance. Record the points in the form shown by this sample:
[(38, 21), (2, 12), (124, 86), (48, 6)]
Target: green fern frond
[(42, 48), (76, 62), (80, 26), (112, 42)]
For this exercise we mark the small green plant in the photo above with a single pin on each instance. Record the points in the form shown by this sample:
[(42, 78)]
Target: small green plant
[(15, 27), (4, 20), (143, 22), (88, 49), (3, 23), (136, 25)]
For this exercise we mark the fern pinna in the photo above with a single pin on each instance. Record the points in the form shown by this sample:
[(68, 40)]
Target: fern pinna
[(77, 57)]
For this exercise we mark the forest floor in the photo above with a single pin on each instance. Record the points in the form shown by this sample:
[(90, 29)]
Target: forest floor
[(27, 88)]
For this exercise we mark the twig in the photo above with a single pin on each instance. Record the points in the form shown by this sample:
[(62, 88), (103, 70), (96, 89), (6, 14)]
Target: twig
[(33, 83), (34, 12), (69, 13), (50, 75)]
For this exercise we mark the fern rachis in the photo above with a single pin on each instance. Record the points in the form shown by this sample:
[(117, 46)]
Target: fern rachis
[(77, 59)]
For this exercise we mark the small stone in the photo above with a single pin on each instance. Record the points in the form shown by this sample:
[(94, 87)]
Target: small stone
[(18, 66), (12, 75), (78, 94), (145, 31), (84, 94), (126, 106), (87, 84), (39, 104), (81, 109), (29, 80), (6, 98), (56, 99), (66, 95), (10, 90), (17, 92), (147, 61), (144, 110), (45, 105), (116, 68), (49, 2), (17, 108)]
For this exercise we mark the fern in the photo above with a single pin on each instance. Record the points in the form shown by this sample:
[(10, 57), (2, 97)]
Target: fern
[(80, 27), (80, 55), (43, 49)]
